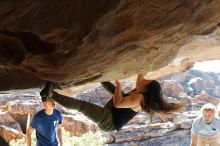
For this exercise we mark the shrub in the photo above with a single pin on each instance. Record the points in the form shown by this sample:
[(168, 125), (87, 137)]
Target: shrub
[(88, 139)]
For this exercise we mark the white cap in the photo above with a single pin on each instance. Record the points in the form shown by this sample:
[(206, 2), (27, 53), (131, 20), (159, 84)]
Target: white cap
[(208, 106)]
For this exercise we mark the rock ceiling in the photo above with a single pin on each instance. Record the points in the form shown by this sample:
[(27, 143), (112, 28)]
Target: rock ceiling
[(78, 42)]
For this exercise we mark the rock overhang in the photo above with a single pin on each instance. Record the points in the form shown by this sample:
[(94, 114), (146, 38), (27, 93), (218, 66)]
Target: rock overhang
[(79, 42)]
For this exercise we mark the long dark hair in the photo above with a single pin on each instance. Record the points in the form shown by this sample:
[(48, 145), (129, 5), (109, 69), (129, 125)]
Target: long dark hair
[(154, 101)]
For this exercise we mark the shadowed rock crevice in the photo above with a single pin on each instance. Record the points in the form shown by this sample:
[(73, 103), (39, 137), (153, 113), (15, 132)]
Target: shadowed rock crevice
[(3, 142), (18, 79), (31, 43), (12, 50)]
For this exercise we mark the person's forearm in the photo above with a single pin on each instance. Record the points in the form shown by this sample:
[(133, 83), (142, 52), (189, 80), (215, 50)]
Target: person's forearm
[(192, 144), (193, 140), (28, 140), (140, 77), (59, 135), (117, 98)]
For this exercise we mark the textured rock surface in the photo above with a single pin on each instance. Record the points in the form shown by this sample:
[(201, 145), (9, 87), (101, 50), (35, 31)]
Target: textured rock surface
[(170, 139), (78, 126), (8, 121), (8, 133), (154, 134), (172, 88), (84, 41)]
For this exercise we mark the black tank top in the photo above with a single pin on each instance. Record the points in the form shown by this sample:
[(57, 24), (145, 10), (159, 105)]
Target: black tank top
[(121, 116)]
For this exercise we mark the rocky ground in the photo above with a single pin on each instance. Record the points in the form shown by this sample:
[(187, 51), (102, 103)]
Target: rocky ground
[(194, 87)]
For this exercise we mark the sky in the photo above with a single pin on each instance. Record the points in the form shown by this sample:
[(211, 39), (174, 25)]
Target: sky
[(208, 66)]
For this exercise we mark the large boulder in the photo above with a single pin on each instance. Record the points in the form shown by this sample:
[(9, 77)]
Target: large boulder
[(78, 125), (24, 107), (178, 77), (78, 42), (7, 120), (204, 98), (172, 88), (154, 134), (197, 83), (9, 134), (216, 91)]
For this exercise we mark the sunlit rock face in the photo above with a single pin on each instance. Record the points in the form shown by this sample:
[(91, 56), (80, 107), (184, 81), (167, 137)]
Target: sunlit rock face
[(85, 41)]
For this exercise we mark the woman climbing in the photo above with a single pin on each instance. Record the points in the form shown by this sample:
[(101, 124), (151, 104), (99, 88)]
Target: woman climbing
[(146, 96)]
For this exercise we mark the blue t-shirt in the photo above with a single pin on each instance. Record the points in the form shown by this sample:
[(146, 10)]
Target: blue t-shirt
[(203, 129), (45, 126)]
